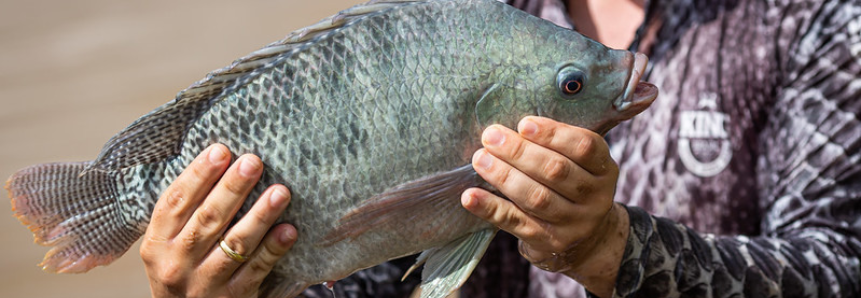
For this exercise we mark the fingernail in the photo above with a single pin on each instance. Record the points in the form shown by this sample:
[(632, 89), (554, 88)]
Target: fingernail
[(277, 198), (527, 127), (467, 200), (492, 136), (287, 235), (216, 154), (484, 160), (248, 166)]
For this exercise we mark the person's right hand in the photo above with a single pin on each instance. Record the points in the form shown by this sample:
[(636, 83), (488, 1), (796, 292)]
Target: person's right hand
[(559, 181), (181, 248)]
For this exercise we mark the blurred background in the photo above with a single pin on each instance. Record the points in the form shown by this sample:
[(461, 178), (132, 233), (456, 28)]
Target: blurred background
[(74, 73)]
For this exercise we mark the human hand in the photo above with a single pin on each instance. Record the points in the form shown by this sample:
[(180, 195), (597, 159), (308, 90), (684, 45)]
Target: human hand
[(181, 248), (560, 180)]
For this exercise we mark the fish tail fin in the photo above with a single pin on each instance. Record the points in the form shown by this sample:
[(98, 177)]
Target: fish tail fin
[(77, 212)]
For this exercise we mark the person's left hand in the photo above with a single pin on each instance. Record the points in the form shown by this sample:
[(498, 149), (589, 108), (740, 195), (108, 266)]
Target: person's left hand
[(560, 180)]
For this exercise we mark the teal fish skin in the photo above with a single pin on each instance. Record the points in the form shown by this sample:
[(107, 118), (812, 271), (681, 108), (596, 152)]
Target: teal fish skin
[(361, 121)]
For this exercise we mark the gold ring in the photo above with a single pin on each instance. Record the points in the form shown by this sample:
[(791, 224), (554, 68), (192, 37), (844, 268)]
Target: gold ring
[(232, 253)]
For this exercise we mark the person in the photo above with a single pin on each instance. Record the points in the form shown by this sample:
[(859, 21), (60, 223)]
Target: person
[(742, 180)]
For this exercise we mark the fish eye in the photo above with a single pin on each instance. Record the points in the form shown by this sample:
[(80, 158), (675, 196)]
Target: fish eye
[(570, 80)]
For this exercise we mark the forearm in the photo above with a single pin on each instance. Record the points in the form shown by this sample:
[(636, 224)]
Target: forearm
[(666, 259), (598, 272)]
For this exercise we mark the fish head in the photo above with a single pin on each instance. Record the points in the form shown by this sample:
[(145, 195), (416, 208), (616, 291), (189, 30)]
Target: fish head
[(570, 78), (593, 86)]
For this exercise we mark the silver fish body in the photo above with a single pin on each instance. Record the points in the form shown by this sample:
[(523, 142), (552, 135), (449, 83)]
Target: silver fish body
[(370, 117)]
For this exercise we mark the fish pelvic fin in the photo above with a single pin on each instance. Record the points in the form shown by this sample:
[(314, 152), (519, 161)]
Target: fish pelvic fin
[(277, 286), (448, 267), (409, 200), (78, 214)]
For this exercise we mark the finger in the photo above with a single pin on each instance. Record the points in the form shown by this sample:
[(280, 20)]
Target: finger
[(584, 147), (508, 217), (277, 242), (546, 166), (529, 195), (219, 207), (179, 200), (245, 236)]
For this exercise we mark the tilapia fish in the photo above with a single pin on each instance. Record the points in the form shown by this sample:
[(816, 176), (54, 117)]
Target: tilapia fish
[(370, 117)]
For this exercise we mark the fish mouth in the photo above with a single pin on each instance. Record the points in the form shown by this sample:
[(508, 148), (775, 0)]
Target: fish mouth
[(638, 95)]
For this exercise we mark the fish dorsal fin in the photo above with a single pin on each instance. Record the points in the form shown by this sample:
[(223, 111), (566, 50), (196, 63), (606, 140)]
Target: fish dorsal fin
[(250, 66), (159, 134)]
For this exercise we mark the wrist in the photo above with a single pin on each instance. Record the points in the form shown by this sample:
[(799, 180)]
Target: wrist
[(597, 264)]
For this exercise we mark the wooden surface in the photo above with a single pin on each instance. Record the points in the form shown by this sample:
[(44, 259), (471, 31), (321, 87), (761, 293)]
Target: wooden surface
[(73, 73)]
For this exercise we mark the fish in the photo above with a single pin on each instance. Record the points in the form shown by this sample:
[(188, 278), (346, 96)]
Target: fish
[(369, 116)]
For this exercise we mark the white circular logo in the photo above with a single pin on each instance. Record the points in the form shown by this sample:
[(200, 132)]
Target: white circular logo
[(704, 145)]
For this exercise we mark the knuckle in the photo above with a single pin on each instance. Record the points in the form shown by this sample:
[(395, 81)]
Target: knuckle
[(199, 171), (584, 188), (210, 216), (504, 178), (529, 233), (550, 132), (148, 250), (612, 167), (173, 198), (147, 255), (172, 276), (237, 246), (539, 199), (518, 150), (260, 218), (189, 240), (264, 259), (586, 147), (501, 218), (238, 187), (491, 214), (547, 131), (261, 265), (556, 169)]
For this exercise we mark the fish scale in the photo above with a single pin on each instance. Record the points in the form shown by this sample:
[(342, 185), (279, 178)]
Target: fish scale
[(370, 117)]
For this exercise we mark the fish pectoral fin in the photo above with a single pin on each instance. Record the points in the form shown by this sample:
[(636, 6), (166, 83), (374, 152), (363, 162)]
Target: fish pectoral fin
[(487, 106), (496, 106), (448, 267), (410, 201)]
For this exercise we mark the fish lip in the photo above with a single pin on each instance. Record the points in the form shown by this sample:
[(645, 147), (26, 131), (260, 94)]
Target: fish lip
[(636, 92)]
